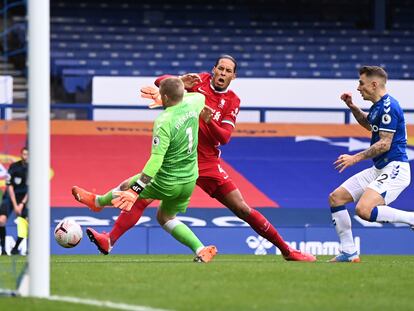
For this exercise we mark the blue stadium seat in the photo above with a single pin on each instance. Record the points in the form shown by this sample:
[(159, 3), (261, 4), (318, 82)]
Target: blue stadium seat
[(148, 38)]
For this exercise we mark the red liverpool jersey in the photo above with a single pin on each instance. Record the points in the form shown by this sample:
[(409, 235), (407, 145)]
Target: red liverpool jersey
[(226, 107)]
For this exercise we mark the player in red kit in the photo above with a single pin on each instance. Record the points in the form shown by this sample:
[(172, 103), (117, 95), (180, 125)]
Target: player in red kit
[(212, 178), (214, 132)]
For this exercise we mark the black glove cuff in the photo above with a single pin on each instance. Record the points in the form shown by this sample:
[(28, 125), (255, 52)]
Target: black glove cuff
[(138, 186)]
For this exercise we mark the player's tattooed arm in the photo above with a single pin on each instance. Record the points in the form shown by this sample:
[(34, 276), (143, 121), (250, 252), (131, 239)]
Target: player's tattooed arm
[(145, 178), (361, 117), (359, 114), (381, 146)]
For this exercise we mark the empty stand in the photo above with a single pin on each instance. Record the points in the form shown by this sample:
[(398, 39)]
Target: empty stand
[(326, 39)]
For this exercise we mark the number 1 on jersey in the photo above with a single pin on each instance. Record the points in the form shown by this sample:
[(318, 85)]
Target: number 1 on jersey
[(189, 132)]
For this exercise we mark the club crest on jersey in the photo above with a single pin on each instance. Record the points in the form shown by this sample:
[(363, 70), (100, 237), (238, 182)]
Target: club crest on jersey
[(222, 102), (156, 141), (386, 118)]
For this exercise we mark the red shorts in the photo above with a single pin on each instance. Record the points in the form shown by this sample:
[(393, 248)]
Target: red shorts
[(214, 180)]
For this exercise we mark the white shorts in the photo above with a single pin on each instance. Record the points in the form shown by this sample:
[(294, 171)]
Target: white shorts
[(389, 181)]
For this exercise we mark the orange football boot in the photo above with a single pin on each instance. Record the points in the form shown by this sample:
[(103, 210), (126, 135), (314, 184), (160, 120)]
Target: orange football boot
[(101, 240), (206, 254), (86, 197), (296, 255)]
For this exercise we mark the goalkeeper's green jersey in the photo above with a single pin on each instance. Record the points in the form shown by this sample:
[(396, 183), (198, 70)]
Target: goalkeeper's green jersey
[(175, 138)]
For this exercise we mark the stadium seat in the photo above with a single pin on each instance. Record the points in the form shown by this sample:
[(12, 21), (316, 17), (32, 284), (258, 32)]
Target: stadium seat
[(147, 38)]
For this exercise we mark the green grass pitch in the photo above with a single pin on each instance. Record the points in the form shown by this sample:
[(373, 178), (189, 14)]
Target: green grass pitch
[(230, 282)]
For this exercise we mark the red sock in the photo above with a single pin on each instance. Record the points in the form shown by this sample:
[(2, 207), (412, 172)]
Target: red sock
[(127, 220), (263, 227)]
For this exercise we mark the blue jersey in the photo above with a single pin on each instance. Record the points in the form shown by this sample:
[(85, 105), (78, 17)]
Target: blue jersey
[(386, 115)]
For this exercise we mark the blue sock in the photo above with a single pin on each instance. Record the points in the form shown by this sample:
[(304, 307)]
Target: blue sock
[(374, 214)]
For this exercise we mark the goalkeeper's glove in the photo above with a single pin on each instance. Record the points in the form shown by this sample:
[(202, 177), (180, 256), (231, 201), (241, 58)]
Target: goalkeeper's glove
[(126, 199), (152, 93)]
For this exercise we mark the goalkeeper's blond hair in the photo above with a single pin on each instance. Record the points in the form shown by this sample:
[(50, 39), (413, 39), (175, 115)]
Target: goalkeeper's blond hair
[(172, 91)]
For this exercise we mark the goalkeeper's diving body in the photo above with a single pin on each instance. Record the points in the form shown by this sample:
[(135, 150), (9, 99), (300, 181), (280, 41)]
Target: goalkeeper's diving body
[(169, 175)]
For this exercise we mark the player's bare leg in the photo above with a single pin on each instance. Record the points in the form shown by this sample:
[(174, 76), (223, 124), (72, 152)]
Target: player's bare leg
[(235, 202), (372, 207)]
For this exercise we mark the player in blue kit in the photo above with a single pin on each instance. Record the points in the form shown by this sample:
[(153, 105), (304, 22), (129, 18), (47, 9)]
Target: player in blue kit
[(374, 188)]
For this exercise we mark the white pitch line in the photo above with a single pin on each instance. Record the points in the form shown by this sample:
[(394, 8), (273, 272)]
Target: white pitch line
[(107, 304)]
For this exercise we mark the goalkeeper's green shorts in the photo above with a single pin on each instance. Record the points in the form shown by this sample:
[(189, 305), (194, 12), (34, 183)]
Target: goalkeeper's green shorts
[(174, 198)]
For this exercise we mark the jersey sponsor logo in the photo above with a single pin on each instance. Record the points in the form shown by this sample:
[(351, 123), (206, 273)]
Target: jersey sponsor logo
[(156, 141), (386, 118), (374, 128)]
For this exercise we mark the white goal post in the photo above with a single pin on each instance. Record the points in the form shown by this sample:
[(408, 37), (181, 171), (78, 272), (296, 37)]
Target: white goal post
[(39, 147)]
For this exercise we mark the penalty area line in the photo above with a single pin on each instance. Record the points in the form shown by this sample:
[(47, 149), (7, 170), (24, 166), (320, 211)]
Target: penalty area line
[(107, 304)]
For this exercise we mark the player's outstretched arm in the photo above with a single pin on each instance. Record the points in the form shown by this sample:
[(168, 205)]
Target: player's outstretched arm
[(126, 199), (381, 146), (153, 93), (159, 79), (360, 116), (206, 114), (221, 132), (190, 79)]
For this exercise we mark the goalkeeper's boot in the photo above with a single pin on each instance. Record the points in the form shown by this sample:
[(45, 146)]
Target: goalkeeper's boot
[(4, 253), (295, 255), (345, 257), (101, 240), (86, 197), (206, 254)]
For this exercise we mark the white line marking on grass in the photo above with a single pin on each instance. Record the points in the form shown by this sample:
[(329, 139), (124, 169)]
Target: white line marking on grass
[(107, 304)]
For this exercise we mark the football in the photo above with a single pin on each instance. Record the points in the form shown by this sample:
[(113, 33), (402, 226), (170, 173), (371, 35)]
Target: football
[(68, 233)]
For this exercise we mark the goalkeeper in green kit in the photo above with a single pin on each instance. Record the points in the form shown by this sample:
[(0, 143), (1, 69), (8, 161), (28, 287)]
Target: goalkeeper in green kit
[(169, 175)]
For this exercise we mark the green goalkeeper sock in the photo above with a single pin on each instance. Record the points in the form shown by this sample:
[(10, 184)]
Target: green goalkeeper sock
[(105, 200), (183, 234)]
